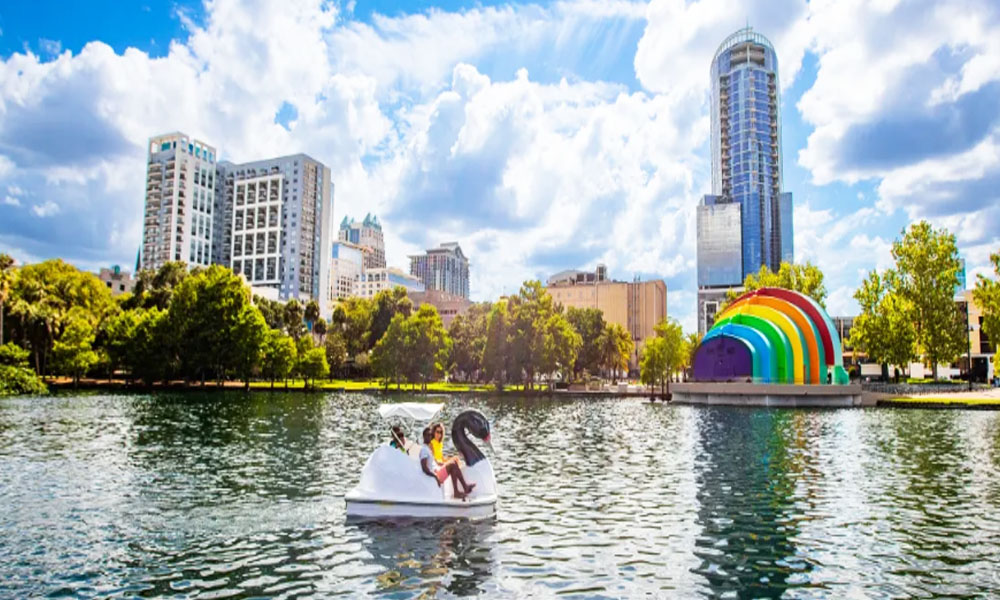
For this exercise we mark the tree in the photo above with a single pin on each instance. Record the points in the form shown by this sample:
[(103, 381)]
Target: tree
[(691, 343), (987, 296), (807, 279), (468, 336), (672, 347), (391, 353), (615, 346), (273, 311), (563, 346), (118, 336), (927, 266), (294, 314), (589, 323), (427, 344), (40, 300), (16, 377), (653, 369), (311, 313), (248, 335), (336, 351), (319, 329), (313, 365), (7, 274), (156, 288), (278, 356), (496, 351), (883, 329), (356, 324), (385, 305), (73, 352)]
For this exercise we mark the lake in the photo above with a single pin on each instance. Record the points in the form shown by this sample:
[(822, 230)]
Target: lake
[(232, 496)]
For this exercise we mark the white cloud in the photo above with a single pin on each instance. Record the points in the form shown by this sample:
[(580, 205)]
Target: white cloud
[(51, 47), (11, 201), (478, 126), (45, 209)]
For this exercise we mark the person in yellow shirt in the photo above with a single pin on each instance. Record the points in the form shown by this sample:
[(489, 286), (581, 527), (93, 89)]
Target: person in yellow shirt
[(437, 446)]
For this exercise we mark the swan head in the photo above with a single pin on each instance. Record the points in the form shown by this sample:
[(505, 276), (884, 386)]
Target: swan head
[(474, 422)]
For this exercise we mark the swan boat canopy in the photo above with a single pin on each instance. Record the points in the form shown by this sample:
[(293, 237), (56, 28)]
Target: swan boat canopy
[(393, 484)]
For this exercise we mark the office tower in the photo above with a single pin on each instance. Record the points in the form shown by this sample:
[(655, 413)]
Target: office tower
[(179, 212), (368, 235), (747, 205), (280, 225), (444, 268)]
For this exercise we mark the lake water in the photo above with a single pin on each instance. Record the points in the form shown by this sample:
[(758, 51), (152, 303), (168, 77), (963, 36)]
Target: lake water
[(220, 496)]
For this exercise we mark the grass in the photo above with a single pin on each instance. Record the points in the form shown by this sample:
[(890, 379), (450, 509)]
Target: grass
[(356, 385), (947, 400)]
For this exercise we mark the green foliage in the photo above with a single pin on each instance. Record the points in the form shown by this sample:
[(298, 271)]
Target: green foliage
[(496, 352), (883, 328), (41, 298), (537, 336), (413, 348), (589, 323), (354, 316), (293, 316), (336, 351), (927, 267), (278, 356), (272, 310), (807, 279), (987, 297), (311, 313), (313, 365), (7, 275), (691, 343), (664, 354), (615, 346), (385, 305), (468, 336), (16, 377), (73, 352)]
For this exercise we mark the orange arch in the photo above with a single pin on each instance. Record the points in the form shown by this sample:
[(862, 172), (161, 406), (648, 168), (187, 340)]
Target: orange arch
[(817, 364)]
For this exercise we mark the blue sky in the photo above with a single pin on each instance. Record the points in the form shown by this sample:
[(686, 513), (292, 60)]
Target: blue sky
[(541, 136)]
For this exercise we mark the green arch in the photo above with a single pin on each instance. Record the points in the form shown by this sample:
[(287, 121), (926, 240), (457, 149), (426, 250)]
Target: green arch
[(779, 342)]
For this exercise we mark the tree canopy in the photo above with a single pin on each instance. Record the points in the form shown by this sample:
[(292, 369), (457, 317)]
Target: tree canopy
[(987, 296), (805, 278)]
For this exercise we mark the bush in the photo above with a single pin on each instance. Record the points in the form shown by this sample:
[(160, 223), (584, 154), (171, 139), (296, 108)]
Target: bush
[(16, 378)]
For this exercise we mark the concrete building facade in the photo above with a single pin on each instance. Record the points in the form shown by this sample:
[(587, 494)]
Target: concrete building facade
[(444, 268), (637, 306), (746, 170), (179, 211), (118, 281), (373, 281), (368, 235), (448, 305), (279, 216), (346, 266)]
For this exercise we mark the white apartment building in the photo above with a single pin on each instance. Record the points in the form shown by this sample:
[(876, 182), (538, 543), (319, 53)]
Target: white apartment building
[(179, 212), (346, 266), (373, 281), (278, 214)]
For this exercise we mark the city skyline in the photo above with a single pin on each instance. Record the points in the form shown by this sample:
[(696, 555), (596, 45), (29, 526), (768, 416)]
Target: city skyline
[(542, 137)]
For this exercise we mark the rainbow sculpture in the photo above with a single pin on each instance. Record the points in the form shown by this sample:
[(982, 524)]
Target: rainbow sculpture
[(772, 335)]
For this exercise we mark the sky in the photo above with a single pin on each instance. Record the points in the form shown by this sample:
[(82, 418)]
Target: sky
[(540, 136)]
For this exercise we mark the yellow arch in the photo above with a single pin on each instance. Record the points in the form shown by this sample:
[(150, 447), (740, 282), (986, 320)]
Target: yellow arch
[(817, 371), (784, 323)]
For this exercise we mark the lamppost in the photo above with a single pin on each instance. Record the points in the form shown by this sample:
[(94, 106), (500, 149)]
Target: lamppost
[(971, 329)]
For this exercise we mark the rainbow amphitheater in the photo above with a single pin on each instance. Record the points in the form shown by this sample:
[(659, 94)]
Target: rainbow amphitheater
[(772, 347)]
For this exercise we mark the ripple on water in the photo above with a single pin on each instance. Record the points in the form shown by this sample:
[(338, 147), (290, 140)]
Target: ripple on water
[(223, 496)]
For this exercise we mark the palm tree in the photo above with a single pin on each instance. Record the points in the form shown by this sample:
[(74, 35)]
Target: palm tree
[(615, 346), (6, 282), (312, 313)]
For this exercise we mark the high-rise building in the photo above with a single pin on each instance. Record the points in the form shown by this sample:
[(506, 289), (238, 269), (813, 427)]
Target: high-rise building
[(747, 205), (279, 215), (444, 268), (346, 267), (368, 235), (637, 306), (178, 219)]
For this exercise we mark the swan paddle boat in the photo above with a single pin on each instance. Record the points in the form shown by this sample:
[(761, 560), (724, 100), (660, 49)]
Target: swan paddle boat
[(393, 485)]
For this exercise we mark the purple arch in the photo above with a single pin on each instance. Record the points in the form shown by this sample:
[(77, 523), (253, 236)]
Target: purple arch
[(723, 358)]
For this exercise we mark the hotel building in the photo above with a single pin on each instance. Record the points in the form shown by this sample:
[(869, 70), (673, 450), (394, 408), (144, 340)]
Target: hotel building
[(444, 268)]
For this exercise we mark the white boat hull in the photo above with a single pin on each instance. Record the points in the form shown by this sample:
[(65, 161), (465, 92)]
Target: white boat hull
[(394, 486), (484, 508)]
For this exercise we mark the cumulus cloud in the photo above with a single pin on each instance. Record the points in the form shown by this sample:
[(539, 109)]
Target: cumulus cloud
[(540, 138)]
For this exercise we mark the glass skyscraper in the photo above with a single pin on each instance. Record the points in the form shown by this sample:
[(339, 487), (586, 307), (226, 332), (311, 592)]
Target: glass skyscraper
[(746, 171)]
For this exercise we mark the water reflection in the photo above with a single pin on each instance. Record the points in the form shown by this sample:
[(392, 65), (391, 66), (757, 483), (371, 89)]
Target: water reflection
[(427, 558), (746, 493)]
